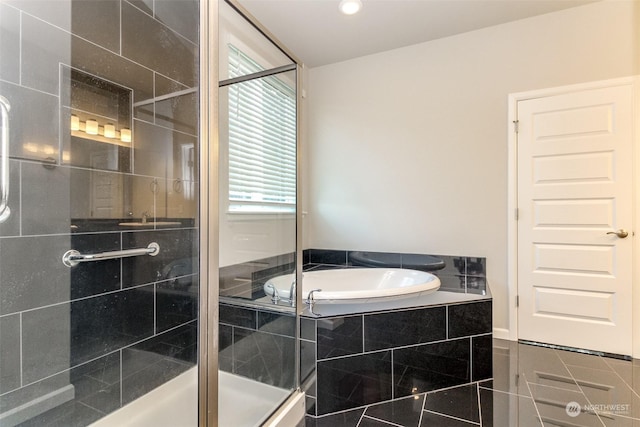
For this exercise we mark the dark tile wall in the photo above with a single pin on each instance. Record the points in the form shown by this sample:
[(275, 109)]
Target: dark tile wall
[(113, 329), (246, 280), (374, 357), (460, 273), (258, 344)]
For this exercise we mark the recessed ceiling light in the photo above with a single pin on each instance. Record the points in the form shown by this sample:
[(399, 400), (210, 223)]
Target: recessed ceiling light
[(349, 7)]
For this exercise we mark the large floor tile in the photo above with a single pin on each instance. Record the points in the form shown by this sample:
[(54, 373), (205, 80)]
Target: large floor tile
[(459, 402), (559, 407), (498, 409), (405, 412)]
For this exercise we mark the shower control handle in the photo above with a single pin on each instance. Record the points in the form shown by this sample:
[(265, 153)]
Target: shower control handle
[(4, 163), (622, 233)]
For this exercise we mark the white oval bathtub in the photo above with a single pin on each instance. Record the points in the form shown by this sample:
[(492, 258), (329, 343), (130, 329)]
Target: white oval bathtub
[(357, 284)]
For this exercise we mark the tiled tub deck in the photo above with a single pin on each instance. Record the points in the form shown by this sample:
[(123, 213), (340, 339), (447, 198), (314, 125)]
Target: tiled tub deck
[(351, 360)]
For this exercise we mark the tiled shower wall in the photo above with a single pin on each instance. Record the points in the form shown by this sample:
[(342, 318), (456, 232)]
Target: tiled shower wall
[(112, 329)]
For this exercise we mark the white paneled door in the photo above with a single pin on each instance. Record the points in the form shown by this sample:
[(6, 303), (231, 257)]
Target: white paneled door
[(575, 235)]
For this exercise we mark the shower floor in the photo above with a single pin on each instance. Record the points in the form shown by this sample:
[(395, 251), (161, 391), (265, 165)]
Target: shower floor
[(241, 403), (244, 402)]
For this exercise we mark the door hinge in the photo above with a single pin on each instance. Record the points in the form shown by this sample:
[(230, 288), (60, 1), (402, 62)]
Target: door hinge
[(517, 300), (516, 214), (516, 126)]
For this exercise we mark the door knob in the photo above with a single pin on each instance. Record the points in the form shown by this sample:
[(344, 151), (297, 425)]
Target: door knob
[(622, 233)]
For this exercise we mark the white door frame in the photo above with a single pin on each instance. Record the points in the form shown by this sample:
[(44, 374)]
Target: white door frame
[(512, 190)]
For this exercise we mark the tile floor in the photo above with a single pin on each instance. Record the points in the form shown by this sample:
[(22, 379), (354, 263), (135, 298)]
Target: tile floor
[(531, 386)]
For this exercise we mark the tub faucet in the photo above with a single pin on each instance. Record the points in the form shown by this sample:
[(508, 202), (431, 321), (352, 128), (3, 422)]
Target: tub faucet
[(292, 291), (145, 216), (275, 297)]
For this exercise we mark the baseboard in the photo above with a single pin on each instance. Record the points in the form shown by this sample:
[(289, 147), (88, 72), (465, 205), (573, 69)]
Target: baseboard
[(502, 334)]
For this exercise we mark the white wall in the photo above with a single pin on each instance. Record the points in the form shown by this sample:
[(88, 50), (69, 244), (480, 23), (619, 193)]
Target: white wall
[(407, 149)]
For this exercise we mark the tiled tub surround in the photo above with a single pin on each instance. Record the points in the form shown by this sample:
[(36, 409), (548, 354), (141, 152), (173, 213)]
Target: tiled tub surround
[(114, 329), (245, 280), (351, 361), (258, 344), (460, 274)]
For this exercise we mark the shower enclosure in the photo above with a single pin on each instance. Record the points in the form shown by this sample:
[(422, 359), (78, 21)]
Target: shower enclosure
[(99, 223), (258, 216)]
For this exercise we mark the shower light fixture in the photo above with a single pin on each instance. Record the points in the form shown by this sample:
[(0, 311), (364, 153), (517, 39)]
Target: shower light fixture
[(349, 7), (91, 129)]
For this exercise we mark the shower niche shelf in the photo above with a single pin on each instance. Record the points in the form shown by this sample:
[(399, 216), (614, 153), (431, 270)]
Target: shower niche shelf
[(96, 121)]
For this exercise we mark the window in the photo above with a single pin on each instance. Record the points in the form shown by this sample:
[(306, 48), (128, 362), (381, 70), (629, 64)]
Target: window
[(262, 140)]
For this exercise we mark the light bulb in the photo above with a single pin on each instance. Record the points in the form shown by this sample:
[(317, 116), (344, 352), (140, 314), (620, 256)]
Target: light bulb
[(109, 131), (125, 135), (75, 122), (349, 7), (91, 127)]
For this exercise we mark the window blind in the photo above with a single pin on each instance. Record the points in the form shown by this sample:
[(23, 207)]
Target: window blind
[(262, 139)]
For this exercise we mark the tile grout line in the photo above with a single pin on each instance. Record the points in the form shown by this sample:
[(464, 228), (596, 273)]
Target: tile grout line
[(620, 376), (363, 346), (20, 198), (446, 320), (470, 358), (89, 406), (386, 422), (579, 387), (514, 394), (535, 405), (361, 415), (422, 410), (393, 377), (20, 28), (120, 28), (479, 403), (451, 417), (82, 298), (121, 379), (21, 355), (155, 309), (315, 364), (408, 346)]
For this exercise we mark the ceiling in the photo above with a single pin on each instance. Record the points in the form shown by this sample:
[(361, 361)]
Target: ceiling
[(318, 34)]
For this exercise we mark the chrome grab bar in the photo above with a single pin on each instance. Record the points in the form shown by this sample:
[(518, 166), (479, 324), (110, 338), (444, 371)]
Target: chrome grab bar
[(72, 257), (4, 153)]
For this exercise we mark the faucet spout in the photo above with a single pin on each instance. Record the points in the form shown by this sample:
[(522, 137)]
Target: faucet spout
[(145, 216), (292, 292), (275, 297)]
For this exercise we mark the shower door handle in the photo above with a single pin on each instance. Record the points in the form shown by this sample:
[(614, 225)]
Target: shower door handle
[(4, 163)]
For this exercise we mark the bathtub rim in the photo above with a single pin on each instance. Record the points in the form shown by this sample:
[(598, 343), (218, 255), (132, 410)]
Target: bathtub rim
[(432, 284)]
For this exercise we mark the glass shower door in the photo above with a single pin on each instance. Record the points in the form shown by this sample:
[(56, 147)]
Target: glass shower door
[(99, 206), (258, 355)]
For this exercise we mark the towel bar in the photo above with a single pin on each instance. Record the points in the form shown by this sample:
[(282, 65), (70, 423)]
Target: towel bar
[(72, 257)]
